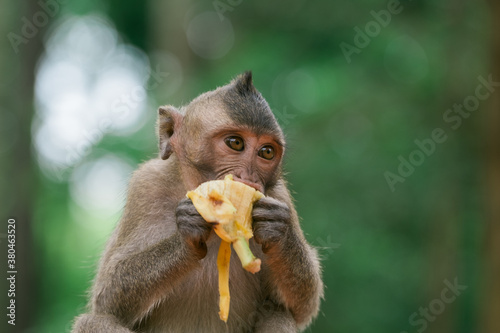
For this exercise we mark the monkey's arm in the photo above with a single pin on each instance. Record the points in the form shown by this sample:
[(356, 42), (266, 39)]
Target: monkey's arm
[(130, 286), (157, 243), (294, 275)]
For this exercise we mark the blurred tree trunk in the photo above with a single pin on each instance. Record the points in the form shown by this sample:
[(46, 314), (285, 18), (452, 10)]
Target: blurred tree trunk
[(445, 227), (167, 24), (16, 168), (491, 288), (444, 233)]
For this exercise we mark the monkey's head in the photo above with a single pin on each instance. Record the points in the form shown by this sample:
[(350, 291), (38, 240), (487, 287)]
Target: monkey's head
[(230, 130)]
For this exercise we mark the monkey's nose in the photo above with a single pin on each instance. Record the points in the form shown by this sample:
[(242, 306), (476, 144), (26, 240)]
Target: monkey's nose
[(256, 186)]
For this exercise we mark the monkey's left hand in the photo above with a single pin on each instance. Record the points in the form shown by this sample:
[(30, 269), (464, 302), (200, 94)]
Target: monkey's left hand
[(271, 222)]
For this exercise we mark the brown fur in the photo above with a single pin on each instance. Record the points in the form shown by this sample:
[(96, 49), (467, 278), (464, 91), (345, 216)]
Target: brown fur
[(158, 272)]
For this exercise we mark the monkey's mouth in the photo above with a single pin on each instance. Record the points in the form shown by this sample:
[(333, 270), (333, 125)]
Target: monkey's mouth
[(256, 186)]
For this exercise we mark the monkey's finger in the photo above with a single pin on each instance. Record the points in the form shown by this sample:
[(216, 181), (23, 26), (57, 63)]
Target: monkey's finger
[(270, 203), (184, 201), (191, 211), (196, 235), (196, 222), (205, 233), (270, 227), (186, 208), (268, 231), (270, 214)]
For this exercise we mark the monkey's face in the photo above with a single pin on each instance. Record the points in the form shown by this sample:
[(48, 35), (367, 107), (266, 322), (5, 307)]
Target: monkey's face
[(230, 130), (252, 159)]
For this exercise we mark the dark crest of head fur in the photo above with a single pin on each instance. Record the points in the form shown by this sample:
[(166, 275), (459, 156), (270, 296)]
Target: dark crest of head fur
[(246, 106), (244, 84)]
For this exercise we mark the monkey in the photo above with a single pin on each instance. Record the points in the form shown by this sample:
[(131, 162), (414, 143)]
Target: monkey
[(158, 270)]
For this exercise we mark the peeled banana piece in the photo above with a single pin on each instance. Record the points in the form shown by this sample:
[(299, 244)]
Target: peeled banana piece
[(229, 204)]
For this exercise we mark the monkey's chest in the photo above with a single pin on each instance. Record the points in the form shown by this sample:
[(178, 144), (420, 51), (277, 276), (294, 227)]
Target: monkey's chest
[(194, 306)]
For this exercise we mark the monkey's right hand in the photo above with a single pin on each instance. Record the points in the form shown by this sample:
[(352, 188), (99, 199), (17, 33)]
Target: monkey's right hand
[(192, 227)]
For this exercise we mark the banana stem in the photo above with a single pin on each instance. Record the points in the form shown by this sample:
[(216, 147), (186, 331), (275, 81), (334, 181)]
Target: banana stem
[(248, 260)]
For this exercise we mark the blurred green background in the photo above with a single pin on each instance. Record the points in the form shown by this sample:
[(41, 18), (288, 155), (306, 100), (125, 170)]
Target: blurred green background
[(82, 80)]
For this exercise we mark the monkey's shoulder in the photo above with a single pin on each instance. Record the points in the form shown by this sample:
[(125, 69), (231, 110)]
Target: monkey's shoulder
[(154, 191), (157, 170), (156, 179)]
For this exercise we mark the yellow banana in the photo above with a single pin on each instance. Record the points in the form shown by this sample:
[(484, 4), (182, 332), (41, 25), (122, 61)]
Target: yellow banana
[(228, 203)]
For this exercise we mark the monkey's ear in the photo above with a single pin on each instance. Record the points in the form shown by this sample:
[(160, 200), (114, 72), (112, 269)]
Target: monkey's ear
[(244, 84), (169, 120)]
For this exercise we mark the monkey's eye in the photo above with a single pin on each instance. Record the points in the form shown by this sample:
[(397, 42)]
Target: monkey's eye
[(266, 152), (235, 143)]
